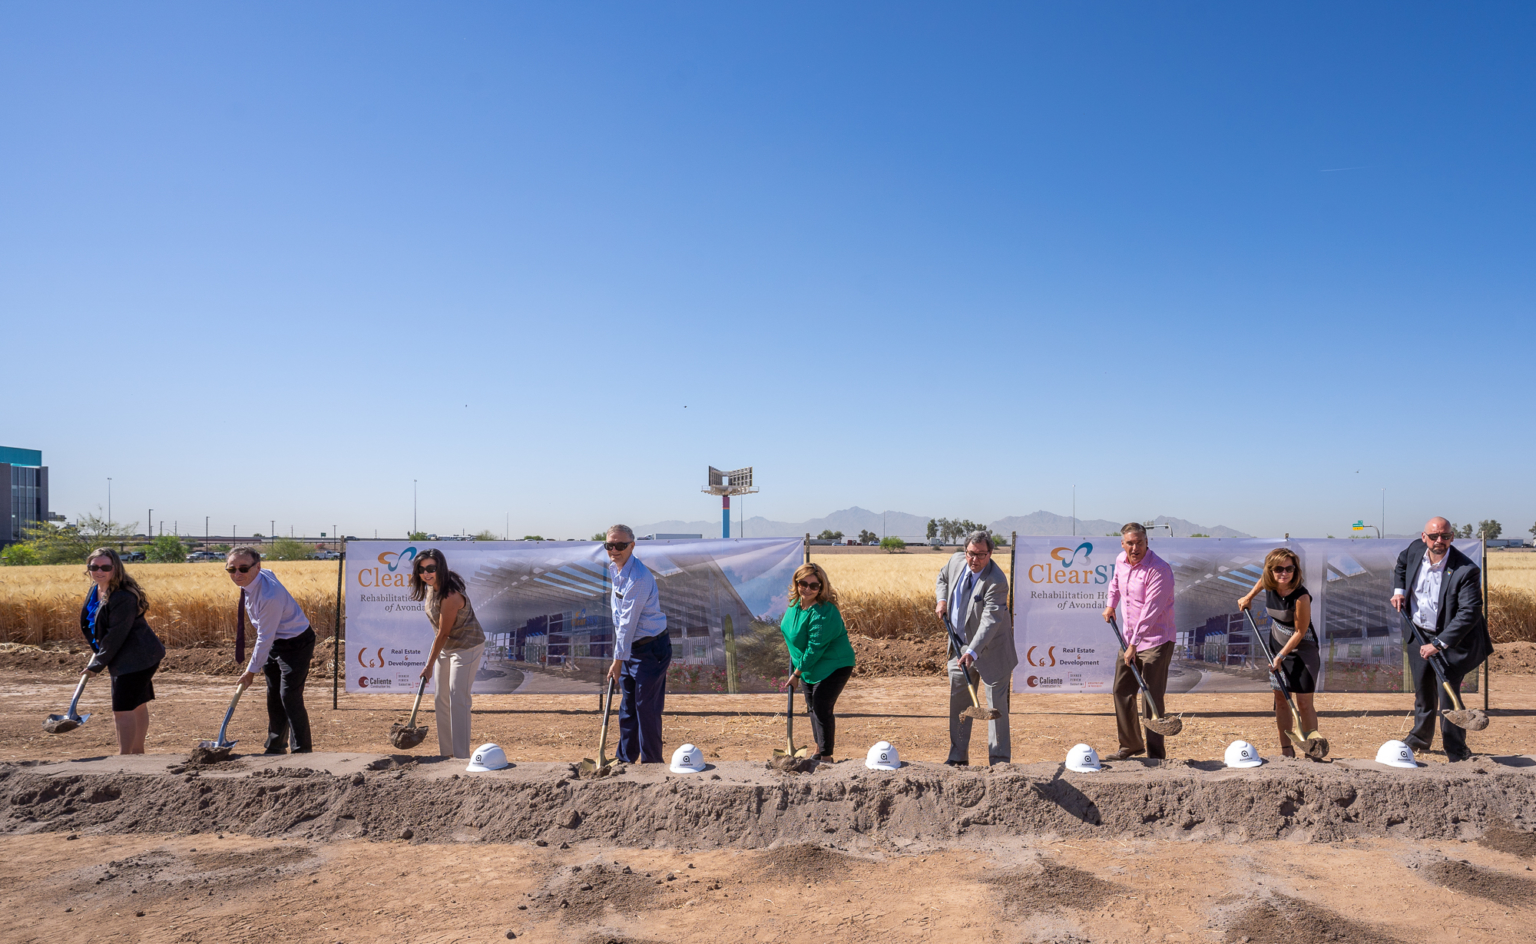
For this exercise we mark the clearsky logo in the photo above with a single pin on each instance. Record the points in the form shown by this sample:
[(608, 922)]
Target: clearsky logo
[(1070, 565), (394, 570)]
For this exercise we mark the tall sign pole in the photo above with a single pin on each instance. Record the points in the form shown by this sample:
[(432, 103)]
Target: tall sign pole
[(726, 484)]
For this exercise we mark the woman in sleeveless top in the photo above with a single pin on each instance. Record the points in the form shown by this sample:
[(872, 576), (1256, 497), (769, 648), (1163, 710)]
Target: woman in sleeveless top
[(1292, 637), (456, 648)]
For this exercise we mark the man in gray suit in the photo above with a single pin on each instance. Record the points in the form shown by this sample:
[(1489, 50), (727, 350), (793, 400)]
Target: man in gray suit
[(973, 592)]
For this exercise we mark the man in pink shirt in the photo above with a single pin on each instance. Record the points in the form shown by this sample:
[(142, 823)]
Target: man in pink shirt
[(1144, 582)]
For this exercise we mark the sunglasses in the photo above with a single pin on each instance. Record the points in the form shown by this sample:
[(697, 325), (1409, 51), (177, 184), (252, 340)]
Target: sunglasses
[(1440, 535), (101, 567), (243, 568), (615, 545), (808, 585), (1285, 570), (429, 569)]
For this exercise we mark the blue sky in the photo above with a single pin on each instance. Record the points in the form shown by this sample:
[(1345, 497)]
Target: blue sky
[(1243, 265)]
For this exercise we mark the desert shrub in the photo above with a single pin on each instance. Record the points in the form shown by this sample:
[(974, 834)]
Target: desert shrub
[(166, 549), (19, 555), (288, 549), (893, 545)]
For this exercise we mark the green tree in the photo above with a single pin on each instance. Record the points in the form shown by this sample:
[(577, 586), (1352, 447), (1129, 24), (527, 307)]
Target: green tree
[(998, 539), (485, 535), (533, 537), (1489, 529), (18, 555), (69, 543), (602, 536), (867, 536), (166, 549), (829, 535), (221, 548), (1197, 535), (416, 536), (933, 529), (893, 545), (1466, 531), (287, 549), (1533, 530)]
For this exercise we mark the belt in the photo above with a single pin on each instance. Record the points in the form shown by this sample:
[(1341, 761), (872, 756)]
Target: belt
[(647, 642)]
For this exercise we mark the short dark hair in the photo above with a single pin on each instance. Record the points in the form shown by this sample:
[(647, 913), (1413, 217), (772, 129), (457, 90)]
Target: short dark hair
[(244, 550), (1133, 526)]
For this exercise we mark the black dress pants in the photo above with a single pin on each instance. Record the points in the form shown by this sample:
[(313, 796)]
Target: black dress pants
[(1427, 694), (820, 701), (286, 670)]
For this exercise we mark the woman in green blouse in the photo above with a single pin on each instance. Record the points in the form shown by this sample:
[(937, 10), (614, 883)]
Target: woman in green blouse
[(819, 651)]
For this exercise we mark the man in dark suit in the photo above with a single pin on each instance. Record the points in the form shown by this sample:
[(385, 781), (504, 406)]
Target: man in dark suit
[(1440, 590)]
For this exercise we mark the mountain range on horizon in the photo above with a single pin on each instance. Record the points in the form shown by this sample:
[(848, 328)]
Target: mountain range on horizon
[(911, 527)]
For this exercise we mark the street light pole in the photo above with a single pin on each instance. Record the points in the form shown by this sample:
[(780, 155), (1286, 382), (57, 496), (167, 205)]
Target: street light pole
[(413, 506), (151, 524), (205, 528), (109, 499)]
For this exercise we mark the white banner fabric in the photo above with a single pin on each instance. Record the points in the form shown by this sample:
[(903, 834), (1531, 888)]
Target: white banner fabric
[(1061, 587), (545, 610)]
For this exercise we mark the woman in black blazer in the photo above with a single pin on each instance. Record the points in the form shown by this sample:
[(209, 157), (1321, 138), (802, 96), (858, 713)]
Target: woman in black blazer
[(112, 621)]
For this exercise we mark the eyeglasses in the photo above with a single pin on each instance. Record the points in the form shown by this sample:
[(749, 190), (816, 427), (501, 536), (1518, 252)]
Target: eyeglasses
[(977, 555), (1440, 535), (243, 568), (101, 567), (1284, 570), (429, 569), (615, 545), (807, 585)]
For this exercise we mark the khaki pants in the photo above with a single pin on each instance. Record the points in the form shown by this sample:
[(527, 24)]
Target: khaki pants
[(1154, 664), (454, 676)]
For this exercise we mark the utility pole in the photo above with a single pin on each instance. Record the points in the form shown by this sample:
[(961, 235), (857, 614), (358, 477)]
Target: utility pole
[(205, 528), (413, 506), (151, 521), (1383, 529), (109, 499), (1074, 511)]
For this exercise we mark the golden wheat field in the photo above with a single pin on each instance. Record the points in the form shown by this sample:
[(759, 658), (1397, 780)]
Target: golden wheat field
[(190, 604), (883, 595)]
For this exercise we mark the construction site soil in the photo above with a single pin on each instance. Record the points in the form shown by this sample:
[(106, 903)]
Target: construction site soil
[(358, 842)]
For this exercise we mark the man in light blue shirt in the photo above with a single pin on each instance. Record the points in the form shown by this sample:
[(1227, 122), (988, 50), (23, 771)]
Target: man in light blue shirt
[(284, 645), (642, 650)]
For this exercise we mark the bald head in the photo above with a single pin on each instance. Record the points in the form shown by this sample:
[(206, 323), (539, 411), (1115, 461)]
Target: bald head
[(1437, 524)]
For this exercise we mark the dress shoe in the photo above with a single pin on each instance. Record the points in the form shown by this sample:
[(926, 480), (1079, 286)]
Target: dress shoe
[(1459, 758), (1414, 744), (1124, 753), (957, 763)]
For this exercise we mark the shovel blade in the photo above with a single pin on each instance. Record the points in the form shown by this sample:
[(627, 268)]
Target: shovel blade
[(1167, 727), (981, 714), (1316, 746), (405, 737), (1471, 719), (216, 746), (590, 769)]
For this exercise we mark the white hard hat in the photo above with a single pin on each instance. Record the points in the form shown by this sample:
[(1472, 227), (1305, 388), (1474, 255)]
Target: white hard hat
[(1083, 759), (487, 757), (1396, 754), (883, 756), (687, 760), (1242, 754)]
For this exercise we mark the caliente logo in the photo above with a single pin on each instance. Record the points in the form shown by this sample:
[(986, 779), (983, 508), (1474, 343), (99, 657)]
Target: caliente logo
[(1070, 565)]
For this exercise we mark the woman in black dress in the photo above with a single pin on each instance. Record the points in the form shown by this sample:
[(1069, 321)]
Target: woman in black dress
[(112, 620), (1292, 637)]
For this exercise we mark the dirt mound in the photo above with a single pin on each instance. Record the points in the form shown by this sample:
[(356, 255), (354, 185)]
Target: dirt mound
[(1508, 839), (1512, 658), (903, 656), (68, 660), (582, 895), (1462, 876), (1050, 887), (751, 808), (160, 873), (803, 861), (1284, 920)]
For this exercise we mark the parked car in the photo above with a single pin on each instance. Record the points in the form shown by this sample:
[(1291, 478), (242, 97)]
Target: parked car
[(200, 556), (132, 555), (327, 555)]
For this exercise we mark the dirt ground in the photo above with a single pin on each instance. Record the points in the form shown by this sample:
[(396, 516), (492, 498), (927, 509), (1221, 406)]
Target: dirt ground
[(909, 712), (180, 887), (239, 889)]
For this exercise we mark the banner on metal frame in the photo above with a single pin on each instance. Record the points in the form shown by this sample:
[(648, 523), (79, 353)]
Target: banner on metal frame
[(1061, 586), (545, 610)]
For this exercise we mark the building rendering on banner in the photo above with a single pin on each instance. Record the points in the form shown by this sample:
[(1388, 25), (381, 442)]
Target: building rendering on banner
[(726, 484), (555, 620), (26, 498)]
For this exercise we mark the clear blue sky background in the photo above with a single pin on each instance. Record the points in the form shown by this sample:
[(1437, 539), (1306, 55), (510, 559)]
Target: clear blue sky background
[(1244, 264)]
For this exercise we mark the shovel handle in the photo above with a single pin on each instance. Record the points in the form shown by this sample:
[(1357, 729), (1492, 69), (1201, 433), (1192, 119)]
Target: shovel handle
[(602, 741), (74, 703), (1436, 661), (420, 690), (954, 639), (1141, 683), (230, 713)]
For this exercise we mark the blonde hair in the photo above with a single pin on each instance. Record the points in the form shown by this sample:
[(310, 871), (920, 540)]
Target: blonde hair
[(120, 578), (827, 594), (1274, 557)]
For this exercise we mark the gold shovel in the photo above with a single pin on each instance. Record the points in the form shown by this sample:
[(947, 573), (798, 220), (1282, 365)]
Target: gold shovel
[(590, 769), (789, 757)]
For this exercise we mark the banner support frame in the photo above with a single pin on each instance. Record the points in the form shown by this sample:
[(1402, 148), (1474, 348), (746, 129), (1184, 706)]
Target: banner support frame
[(1013, 554), (341, 569), (1488, 662)]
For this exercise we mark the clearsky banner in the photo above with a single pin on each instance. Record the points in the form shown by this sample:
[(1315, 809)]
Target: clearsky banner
[(545, 610), (1061, 586)]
